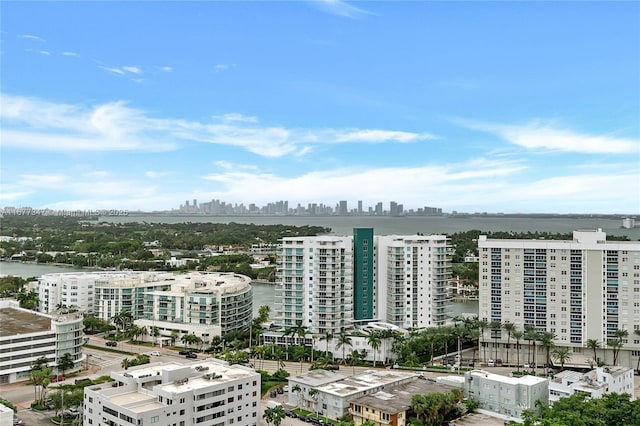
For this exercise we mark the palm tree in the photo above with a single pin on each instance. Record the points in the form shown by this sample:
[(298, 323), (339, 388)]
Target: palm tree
[(155, 332), (546, 341), (474, 335), (509, 327), (531, 334), (313, 392), (595, 345), (621, 334), (343, 341), (297, 389), (446, 333), (562, 355), (274, 415), (288, 331), (356, 356), (482, 325), (374, 341), (327, 337), (430, 339), (517, 335), (174, 337), (126, 363), (495, 326)]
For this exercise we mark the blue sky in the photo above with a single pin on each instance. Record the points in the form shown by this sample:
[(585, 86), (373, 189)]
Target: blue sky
[(468, 106)]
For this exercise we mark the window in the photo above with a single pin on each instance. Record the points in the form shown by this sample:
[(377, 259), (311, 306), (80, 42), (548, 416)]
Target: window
[(155, 419)]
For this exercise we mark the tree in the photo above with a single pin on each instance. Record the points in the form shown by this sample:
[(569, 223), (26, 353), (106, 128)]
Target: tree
[(327, 337), (562, 355), (297, 390), (355, 357), (546, 341), (190, 339), (28, 299), (595, 345), (482, 325), (509, 327), (343, 341), (374, 341), (312, 393), (617, 343), (126, 363), (531, 334), (274, 415), (40, 377), (65, 363), (517, 335), (495, 326)]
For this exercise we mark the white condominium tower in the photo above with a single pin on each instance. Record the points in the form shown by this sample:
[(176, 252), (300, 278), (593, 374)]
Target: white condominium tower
[(315, 284), (412, 279), (331, 282), (580, 289)]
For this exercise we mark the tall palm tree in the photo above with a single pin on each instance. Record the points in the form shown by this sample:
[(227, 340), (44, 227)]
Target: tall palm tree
[(517, 335), (312, 393), (474, 335), (343, 341), (531, 334), (297, 389), (374, 341), (595, 345), (288, 331), (546, 341), (621, 334), (327, 337), (495, 326), (482, 325), (509, 327)]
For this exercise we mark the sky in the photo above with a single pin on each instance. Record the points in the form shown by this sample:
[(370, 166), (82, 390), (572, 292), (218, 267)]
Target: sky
[(502, 106)]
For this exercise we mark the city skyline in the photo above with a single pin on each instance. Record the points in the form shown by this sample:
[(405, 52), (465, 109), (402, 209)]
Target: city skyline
[(474, 106)]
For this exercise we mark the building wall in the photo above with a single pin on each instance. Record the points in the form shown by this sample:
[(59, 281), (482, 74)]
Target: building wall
[(364, 274), (315, 284), (580, 289)]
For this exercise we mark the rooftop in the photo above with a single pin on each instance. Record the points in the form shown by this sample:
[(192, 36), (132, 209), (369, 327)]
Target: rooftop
[(315, 378), (397, 399), (21, 321), (367, 380), (524, 380)]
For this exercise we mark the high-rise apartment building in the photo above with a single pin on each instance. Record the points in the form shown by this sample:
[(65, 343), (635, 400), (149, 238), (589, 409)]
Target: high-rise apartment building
[(330, 282), (580, 289), (315, 284), (412, 274)]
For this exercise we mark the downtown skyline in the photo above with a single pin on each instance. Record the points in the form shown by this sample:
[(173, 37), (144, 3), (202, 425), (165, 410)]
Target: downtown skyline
[(474, 106)]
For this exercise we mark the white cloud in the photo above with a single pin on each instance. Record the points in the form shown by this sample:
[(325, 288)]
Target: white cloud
[(339, 8), (113, 70), (155, 175), (45, 53), (166, 69), (70, 54), (222, 67), (226, 165), (133, 70), (31, 37), (36, 124), (547, 136)]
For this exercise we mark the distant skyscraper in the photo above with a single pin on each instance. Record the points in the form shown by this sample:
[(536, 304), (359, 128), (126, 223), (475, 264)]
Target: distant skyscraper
[(343, 211), (379, 209), (359, 207)]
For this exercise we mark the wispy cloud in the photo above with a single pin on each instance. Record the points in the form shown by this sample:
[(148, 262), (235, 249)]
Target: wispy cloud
[(549, 136), (339, 8), (113, 70), (36, 124), (70, 54), (222, 67), (31, 37), (155, 175), (45, 52), (226, 165), (134, 70), (122, 70), (166, 69)]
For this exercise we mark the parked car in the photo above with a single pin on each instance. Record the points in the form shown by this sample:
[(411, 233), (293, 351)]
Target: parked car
[(83, 381), (279, 391), (184, 352), (154, 353), (111, 343), (55, 379), (491, 363), (285, 388), (333, 367), (191, 355)]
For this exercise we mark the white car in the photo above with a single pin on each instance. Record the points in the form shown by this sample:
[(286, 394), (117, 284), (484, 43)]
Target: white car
[(154, 353), (491, 363)]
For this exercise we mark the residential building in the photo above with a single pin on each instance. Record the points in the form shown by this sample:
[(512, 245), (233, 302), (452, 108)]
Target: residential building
[(581, 289), (364, 274), (207, 393), (391, 405), (26, 336), (315, 284), (66, 289), (6, 416), (413, 273), (334, 391), (508, 396), (595, 383)]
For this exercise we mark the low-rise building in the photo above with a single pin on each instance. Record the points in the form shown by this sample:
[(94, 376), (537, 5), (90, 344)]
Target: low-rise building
[(595, 383), (206, 393), (508, 396), (26, 336), (332, 392), (391, 406)]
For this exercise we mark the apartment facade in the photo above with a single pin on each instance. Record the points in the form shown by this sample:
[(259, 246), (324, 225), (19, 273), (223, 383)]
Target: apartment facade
[(209, 393), (508, 396), (26, 336), (579, 289), (413, 273), (595, 383), (315, 284)]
